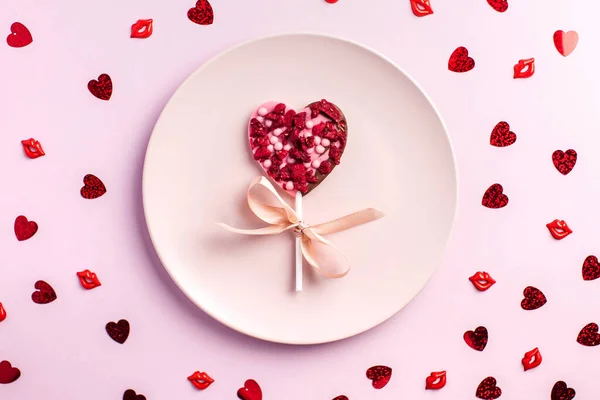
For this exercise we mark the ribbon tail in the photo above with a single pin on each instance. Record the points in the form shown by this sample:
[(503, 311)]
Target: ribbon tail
[(323, 256), (267, 230), (349, 221)]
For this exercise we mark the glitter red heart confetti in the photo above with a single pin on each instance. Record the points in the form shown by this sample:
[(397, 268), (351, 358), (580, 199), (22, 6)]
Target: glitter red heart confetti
[(560, 391), (498, 5), (460, 60), (502, 136), (534, 298), (24, 229), (118, 331), (564, 161), (250, 391), (142, 29), (342, 397), (494, 197), (559, 229), (524, 69), (8, 373), (19, 35), (565, 42), (200, 380), (421, 8), (102, 87), (380, 375), (2, 313), (588, 336), (44, 294), (202, 13), (482, 281), (435, 380), (476, 339), (590, 269), (130, 394), (531, 359), (32, 148), (93, 187), (488, 390)]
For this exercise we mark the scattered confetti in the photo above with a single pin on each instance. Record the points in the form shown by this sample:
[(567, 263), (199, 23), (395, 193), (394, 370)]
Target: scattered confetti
[(482, 281), (8, 373), (88, 279), (250, 391), (590, 269), (421, 8), (531, 359), (93, 187), (534, 298), (131, 395), (331, 1), (564, 161), (460, 60), (380, 375), (435, 380), (119, 331), (102, 87), (502, 136), (2, 313), (342, 397), (498, 5), (202, 13), (524, 69), (24, 229), (494, 197), (488, 390), (476, 339), (44, 294), (142, 29), (32, 148), (565, 42), (200, 380), (560, 391), (588, 336), (19, 35), (559, 229)]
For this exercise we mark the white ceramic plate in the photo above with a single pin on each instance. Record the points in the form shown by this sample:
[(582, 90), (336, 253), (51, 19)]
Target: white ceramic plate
[(398, 159)]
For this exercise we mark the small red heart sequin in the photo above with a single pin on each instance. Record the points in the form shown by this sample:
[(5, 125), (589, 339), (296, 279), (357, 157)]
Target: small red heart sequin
[(488, 390), (19, 35), (590, 269), (202, 13), (588, 336), (44, 294), (342, 397), (534, 298), (498, 5), (130, 394), (102, 87), (460, 60), (93, 187), (24, 229), (476, 339), (564, 161), (380, 375), (421, 8), (494, 197), (560, 391), (531, 359), (502, 136), (8, 373), (250, 391), (565, 42), (119, 331)]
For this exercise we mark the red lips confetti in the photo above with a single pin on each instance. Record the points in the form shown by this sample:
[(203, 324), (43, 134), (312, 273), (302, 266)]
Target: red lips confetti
[(494, 197), (559, 229), (460, 60), (102, 87), (524, 69), (502, 136), (119, 331), (560, 391), (380, 375), (200, 380), (476, 339), (250, 391), (202, 13), (488, 390), (498, 5), (130, 394), (93, 187), (44, 294), (32, 148), (2, 313), (142, 29), (564, 161), (435, 380), (531, 359), (421, 8), (588, 336), (565, 42), (331, 1), (590, 269), (24, 229), (88, 279), (534, 298), (482, 281), (19, 35), (8, 373)]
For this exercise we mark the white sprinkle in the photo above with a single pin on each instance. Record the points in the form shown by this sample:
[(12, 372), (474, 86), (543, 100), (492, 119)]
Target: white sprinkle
[(267, 163), (260, 119), (278, 146), (307, 164), (290, 160), (277, 131), (262, 111), (268, 123), (315, 164), (317, 139), (287, 147), (273, 140), (289, 185), (309, 124), (320, 149), (310, 151), (325, 142), (270, 148)]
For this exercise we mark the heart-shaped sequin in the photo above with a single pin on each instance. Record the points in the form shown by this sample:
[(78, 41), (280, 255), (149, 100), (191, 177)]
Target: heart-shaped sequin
[(590, 269), (130, 394), (118, 331), (19, 35), (494, 197), (202, 13), (502, 136), (102, 87), (588, 336), (498, 5), (8, 373), (564, 161), (44, 294), (460, 60), (488, 390), (24, 229), (560, 391), (533, 298), (250, 391), (380, 375), (92, 188), (476, 339), (565, 42)]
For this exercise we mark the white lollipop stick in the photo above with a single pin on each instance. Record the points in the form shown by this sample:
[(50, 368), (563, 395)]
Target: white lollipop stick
[(298, 246)]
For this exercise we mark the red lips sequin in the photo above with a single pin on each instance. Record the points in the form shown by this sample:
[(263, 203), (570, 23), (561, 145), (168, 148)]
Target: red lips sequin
[(200, 380), (559, 229), (436, 380), (88, 279), (531, 359), (421, 8), (482, 281)]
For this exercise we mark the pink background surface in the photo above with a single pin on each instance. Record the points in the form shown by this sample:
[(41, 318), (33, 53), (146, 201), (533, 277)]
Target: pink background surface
[(62, 348)]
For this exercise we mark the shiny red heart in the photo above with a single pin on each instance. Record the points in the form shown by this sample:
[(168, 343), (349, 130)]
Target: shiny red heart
[(590, 269), (564, 161), (380, 375), (494, 197), (24, 229), (560, 391), (533, 298), (93, 187), (202, 13), (130, 394), (45, 293), (565, 42), (19, 35), (476, 339), (102, 87), (460, 60), (250, 391), (502, 136), (8, 373), (118, 331), (588, 336), (488, 390), (498, 5)]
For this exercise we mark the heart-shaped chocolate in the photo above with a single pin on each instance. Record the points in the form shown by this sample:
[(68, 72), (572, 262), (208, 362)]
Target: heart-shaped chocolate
[(298, 150)]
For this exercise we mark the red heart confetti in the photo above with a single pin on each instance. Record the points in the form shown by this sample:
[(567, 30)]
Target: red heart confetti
[(460, 60), (531, 359), (559, 229), (534, 298), (24, 229), (588, 336), (32, 148), (130, 394), (2, 313), (564, 161), (19, 35), (119, 331), (488, 390), (560, 391), (200, 380), (202, 13), (8, 373), (590, 269), (380, 375), (502, 136), (421, 8), (524, 69), (498, 5), (250, 391), (102, 87), (494, 198), (45, 293), (142, 29), (93, 187), (331, 1), (435, 380), (565, 42), (476, 339), (342, 397), (482, 281)]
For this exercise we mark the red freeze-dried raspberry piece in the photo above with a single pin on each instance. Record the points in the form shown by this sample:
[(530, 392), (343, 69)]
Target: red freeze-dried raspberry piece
[(325, 167), (262, 153), (301, 187), (300, 120), (299, 155), (279, 109), (281, 155), (288, 118), (261, 141), (256, 128), (310, 141), (311, 177), (314, 110), (285, 174), (335, 154), (319, 128), (330, 110), (299, 173)]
